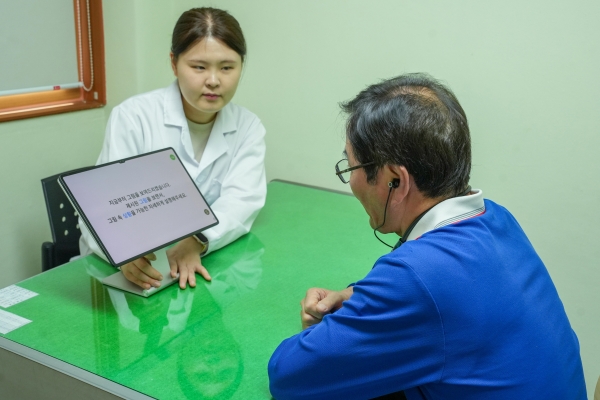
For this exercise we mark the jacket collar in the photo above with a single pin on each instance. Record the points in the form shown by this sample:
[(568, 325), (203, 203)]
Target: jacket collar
[(225, 123), (217, 141), (173, 107), (448, 212)]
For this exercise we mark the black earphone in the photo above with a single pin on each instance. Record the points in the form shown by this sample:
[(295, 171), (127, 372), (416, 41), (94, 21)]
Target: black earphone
[(392, 185)]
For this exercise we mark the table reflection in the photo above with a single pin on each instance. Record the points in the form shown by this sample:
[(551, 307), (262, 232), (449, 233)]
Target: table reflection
[(177, 332)]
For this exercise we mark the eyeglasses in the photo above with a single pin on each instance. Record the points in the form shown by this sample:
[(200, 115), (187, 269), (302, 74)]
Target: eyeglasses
[(343, 170)]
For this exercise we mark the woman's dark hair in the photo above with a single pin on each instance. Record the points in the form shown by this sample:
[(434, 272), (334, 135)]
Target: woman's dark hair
[(199, 23), (414, 121)]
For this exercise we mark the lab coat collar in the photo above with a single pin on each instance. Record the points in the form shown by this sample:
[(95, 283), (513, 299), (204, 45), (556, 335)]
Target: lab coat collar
[(217, 141), (173, 107), (448, 212), (224, 124)]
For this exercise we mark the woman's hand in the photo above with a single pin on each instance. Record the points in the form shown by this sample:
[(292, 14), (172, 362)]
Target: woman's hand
[(142, 273), (184, 258), (319, 302)]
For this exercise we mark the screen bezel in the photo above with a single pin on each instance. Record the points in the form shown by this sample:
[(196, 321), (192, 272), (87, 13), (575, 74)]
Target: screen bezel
[(75, 204)]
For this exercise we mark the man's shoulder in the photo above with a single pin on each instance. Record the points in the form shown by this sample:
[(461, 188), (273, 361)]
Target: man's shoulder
[(450, 249), (496, 208)]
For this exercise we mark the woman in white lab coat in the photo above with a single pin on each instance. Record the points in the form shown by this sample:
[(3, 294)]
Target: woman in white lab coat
[(220, 144)]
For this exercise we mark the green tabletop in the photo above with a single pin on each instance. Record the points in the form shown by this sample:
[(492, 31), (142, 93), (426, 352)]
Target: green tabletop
[(215, 340)]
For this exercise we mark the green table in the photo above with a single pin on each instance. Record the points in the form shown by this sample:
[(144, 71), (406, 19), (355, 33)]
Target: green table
[(213, 341)]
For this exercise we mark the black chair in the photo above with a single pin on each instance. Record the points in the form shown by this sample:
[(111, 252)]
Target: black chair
[(64, 224)]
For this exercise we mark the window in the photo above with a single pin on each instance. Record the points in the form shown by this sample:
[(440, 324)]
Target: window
[(83, 66)]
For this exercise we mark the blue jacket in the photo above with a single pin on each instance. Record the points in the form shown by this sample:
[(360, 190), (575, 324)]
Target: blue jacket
[(466, 311)]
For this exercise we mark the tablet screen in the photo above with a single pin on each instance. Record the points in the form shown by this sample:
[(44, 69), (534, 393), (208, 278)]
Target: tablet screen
[(137, 205)]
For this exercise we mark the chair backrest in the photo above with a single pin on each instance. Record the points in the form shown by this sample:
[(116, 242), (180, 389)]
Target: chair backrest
[(64, 223)]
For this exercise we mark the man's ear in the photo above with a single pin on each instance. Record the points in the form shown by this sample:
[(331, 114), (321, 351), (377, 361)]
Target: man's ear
[(397, 178)]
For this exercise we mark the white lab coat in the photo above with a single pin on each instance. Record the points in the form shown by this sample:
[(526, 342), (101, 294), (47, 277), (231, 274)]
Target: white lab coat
[(231, 172)]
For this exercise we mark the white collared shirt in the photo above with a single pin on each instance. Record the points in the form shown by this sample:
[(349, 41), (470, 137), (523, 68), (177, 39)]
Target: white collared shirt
[(448, 212), (230, 174)]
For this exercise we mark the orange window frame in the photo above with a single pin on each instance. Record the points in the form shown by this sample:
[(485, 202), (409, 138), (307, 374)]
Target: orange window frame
[(29, 105)]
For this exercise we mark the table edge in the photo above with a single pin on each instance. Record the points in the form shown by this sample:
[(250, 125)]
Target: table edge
[(72, 371)]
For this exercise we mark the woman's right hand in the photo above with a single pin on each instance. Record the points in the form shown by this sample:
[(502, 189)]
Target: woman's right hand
[(142, 273)]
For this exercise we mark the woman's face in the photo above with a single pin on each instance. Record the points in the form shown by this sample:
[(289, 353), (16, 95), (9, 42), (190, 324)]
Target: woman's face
[(208, 74)]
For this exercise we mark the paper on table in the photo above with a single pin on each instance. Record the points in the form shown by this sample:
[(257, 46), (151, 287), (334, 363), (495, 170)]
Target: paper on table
[(13, 294), (10, 322)]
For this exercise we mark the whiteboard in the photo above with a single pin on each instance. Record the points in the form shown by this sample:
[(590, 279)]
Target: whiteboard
[(37, 44)]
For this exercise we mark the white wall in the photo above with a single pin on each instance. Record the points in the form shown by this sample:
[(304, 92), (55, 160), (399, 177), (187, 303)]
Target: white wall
[(29, 151)]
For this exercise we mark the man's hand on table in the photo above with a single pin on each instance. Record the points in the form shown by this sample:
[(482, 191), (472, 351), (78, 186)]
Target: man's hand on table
[(319, 302)]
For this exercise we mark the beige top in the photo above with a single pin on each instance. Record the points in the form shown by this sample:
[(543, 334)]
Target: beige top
[(199, 134)]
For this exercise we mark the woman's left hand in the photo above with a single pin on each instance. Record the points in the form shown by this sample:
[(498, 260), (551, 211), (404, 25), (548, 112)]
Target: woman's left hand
[(184, 258)]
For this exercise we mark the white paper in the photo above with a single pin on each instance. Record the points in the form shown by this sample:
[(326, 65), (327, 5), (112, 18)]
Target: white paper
[(12, 295), (10, 322)]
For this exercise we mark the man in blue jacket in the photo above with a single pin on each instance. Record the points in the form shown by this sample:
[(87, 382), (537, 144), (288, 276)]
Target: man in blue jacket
[(462, 307)]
